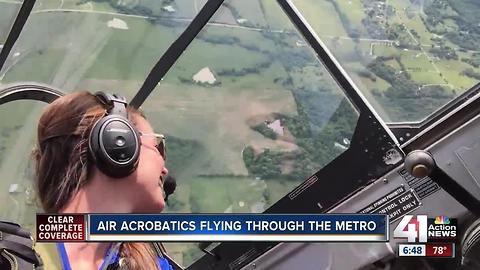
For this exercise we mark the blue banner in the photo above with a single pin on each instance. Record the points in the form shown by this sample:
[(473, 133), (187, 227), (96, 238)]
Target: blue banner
[(237, 227)]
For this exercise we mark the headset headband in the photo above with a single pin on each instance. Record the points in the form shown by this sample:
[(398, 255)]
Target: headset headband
[(116, 104)]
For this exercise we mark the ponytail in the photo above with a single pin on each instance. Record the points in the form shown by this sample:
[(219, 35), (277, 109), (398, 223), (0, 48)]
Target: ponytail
[(139, 256)]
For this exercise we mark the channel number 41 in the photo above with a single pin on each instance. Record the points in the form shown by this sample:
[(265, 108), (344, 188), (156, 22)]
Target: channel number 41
[(412, 228)]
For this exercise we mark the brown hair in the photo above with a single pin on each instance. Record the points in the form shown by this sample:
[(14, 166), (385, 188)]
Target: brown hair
[(62, 163)]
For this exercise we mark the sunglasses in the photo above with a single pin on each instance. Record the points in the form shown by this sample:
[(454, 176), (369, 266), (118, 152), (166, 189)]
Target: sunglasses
[(160, 144)]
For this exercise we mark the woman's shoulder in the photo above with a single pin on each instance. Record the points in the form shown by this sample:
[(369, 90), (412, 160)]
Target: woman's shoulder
[(52, 259), (164, 264)]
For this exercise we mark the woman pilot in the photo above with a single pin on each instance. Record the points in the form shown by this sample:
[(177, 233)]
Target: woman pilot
[(95, 154)]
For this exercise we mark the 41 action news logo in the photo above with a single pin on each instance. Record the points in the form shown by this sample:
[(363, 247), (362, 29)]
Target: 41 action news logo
[(423, 229)]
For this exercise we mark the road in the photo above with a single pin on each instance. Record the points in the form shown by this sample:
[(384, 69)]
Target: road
[(439, 84)]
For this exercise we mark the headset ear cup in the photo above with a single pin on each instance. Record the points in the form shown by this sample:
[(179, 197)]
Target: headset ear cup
[(114, 146), (95, 152), (93, 141)]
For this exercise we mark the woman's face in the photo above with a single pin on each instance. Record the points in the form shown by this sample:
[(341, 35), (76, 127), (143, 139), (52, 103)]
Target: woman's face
[(148, 187)]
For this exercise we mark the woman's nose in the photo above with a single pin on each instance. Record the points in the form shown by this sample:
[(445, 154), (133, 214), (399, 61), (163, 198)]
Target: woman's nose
[(164, 171)]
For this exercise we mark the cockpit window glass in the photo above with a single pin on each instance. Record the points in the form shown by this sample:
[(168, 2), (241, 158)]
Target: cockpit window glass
[(95, 45), (249, 113), (409, 57), (18, 121), (8, 12)]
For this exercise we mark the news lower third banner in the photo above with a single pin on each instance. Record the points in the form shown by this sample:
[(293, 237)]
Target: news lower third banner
[(213, 227)]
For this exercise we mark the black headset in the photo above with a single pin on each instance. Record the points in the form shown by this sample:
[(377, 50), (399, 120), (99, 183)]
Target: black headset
[(114, 143)]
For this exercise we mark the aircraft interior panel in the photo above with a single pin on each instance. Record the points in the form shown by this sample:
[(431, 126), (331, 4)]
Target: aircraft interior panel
[(457, 154)]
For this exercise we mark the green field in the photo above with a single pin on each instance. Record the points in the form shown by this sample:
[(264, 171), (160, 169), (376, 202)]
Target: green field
[(227, 194), (219, 118), (355, 54), (249, 10), (140, 48), (353, 10), (316, 13), (199, 56), (275, 17), (50, 59)]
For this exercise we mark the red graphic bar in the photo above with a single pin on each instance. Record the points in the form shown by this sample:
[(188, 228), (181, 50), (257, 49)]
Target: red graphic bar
[(60, 228), (440, 250)]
